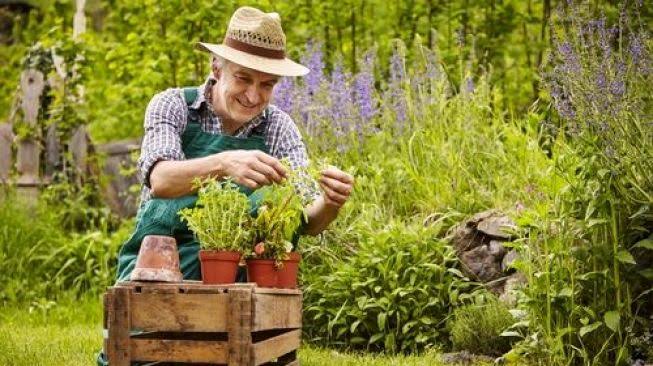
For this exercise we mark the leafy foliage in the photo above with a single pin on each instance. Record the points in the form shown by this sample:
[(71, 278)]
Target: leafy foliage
[(395, 294), (478, 327), (220, 218)]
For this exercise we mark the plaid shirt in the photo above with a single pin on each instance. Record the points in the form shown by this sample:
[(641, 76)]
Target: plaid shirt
[(166, 118)]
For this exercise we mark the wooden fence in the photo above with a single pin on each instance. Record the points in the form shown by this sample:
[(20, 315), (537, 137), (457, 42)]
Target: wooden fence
[(29, 163)]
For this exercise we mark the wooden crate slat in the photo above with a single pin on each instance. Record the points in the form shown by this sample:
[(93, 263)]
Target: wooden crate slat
[(240, 323), (118, 352), (175, 312), (166, 350), (287, 311), (274, 347)]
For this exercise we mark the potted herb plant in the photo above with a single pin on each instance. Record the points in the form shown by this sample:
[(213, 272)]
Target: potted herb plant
[(272, 262), (220, 221)]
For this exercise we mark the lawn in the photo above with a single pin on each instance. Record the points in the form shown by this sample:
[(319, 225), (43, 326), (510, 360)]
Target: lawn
[(69, 333)]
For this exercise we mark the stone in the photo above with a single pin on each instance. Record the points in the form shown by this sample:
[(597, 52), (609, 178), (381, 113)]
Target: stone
[(497, 249), (508, 260), (481, 264), (512, 283), (497, 226)]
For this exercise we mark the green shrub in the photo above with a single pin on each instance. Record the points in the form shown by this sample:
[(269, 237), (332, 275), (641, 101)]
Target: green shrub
[(39, 259), (477, 327), (394, 293)]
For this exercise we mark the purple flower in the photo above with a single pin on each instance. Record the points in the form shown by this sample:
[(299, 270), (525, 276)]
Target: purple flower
[(314, 60), (469, 85), (397, 67), (284, 94), (340, 97), (570, 57), (364, 88)]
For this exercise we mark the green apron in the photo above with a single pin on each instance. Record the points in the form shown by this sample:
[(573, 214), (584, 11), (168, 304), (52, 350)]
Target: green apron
[(159, 216)]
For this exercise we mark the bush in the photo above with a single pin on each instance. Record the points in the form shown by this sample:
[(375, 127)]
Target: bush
[(395, 293), (477, 328), (39, 259)]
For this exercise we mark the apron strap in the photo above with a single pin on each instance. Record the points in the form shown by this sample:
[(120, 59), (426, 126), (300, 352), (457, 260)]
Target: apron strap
[(190, 95)]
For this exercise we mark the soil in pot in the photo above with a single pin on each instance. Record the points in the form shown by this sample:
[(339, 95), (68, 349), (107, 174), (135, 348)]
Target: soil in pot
[(219, 267)]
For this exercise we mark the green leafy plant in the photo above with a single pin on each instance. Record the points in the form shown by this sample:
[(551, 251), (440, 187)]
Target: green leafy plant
[(394, 294), (278, 218), (477, 327), (220, 218)]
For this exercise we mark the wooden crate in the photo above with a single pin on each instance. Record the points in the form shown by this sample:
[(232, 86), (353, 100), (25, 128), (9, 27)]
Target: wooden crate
[(193, 323)]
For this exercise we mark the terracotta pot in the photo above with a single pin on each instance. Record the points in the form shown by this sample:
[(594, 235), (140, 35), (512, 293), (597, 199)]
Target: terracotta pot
[(287, 275), (262, 271), (266, 274), (219, 267), (158, 260)]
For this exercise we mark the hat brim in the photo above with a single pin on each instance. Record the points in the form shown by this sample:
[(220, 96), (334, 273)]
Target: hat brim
[(281, 67)]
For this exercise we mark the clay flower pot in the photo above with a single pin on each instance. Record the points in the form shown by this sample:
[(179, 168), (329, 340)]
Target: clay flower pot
[(158, 260), (266, 273), (262, 271), (287, 275), (219, 267)]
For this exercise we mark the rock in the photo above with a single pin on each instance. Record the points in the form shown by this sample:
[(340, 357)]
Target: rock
[(463, 358), (508, 260), (465, 238), (481, 264), (514, 282), (497, 249), (497, 226)]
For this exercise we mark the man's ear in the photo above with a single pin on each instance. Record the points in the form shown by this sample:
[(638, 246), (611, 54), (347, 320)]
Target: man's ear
[(216, 67)]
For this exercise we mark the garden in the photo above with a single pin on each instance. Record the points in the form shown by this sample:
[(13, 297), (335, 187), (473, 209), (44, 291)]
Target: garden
[(502, 211)]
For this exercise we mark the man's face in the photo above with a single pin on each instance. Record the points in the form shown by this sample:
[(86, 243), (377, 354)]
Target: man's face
[(240, 93)]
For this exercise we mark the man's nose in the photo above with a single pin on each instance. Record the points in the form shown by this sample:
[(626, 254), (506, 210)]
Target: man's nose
[(252, 94)]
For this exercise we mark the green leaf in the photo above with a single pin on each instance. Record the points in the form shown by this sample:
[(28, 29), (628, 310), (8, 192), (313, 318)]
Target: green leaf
[(375, 338), (590, 328), (647, 273), (612, 320), (646, 244), (354, 325), (624, 256), (380, 320)]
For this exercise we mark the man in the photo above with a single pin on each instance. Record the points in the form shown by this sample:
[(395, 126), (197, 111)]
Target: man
[(225, 128)]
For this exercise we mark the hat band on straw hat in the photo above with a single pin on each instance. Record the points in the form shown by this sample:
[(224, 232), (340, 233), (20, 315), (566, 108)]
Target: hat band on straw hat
[(254, 50)]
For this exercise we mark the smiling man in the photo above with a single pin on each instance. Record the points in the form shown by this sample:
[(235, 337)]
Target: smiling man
[(225, 128)]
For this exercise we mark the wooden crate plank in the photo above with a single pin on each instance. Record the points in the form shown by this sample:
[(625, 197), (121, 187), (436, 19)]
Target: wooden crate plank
[(277, 291), (175, 312), (166, 350), (118, 352), (240, 326), (274, 347), (272, 311)]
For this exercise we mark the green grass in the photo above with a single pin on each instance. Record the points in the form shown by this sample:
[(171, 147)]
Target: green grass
[(69, 333)]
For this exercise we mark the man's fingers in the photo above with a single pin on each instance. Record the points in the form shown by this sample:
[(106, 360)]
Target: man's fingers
[(336, 185), (334, 196), (338, 174), (272, 162), (249, 183), (268, 171), (259, 178)]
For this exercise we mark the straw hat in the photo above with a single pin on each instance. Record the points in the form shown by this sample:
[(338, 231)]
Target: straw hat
[(254, 39)]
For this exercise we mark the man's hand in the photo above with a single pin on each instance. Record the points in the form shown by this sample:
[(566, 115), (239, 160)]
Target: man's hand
[(251, 168), (337, 186)]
